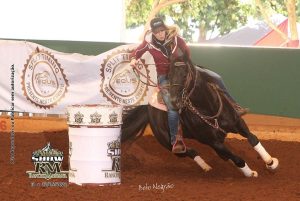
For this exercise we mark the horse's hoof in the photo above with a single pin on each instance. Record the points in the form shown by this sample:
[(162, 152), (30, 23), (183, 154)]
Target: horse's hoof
[(206, 169), (248, 172), (254, 174), (273, 165)]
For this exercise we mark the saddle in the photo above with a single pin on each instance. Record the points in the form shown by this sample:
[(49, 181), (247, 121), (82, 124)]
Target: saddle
[(156, 100)]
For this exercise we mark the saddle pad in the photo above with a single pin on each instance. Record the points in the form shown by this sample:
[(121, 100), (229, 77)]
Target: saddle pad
[(153, 101)]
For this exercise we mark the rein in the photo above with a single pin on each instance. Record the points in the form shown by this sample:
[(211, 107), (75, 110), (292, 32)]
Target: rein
[(138, 72), (148, 79), (186, 102)]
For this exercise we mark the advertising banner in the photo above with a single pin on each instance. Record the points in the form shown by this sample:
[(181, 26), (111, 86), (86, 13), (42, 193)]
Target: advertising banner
[(37, 79)]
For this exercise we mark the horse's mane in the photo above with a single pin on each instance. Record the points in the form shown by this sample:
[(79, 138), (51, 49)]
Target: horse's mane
[(197, 69), (204, 76)]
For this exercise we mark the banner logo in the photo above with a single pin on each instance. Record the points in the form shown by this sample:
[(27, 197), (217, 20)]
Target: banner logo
[(43, 80), (47, 164), (120, 84)]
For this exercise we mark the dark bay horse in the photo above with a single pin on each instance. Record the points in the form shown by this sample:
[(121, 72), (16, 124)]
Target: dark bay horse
[(207, 115)]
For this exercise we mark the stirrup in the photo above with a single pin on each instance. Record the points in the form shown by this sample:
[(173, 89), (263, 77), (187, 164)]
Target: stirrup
[(181, 149), (241, 110)]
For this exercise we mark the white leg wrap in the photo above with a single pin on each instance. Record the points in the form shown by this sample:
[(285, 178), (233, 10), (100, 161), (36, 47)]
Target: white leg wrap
[(263, 153), (202, 163), (248, 172)]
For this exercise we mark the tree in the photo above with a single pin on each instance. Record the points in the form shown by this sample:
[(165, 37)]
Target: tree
[(136, 9), (285, 7), (291, 8), (210, 16), (206, 16)]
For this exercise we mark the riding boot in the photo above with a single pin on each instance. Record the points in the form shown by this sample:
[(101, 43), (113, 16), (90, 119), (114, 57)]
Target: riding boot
[(179, 145), (240, 110)]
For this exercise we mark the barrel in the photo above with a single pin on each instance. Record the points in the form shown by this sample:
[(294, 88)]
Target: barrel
[(94, 144)]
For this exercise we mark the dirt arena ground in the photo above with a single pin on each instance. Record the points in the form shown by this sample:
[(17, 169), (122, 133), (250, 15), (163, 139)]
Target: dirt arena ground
[(149, 172)]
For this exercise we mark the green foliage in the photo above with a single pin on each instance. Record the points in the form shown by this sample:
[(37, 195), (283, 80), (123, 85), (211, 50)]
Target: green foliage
[(279, 6), (223, 16), (180, 14), (271, 7), (203, 16), (137, 12)]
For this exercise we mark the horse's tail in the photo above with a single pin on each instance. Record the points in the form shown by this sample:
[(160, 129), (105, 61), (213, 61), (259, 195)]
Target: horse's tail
[(134, 122)]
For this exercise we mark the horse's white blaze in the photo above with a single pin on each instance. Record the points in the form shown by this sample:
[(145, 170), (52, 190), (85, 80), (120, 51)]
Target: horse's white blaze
[(274, 164), (248, 172), (202, 163), (263, 153)]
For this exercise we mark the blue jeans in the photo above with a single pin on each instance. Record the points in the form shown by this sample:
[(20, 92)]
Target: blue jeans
[(173, 116), (218, 80)]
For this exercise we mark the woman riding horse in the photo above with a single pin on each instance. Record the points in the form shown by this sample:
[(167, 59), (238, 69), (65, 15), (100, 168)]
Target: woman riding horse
[(164, 43), (208, 114)]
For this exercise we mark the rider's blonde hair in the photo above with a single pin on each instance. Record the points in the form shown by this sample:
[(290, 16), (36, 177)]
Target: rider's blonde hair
[(172, 31)]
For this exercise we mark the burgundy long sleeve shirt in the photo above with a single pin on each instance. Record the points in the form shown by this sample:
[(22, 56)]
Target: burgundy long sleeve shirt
[(161, 60)]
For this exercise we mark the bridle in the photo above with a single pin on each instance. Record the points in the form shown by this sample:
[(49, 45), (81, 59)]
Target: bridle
[(191, 79), (185, 97)]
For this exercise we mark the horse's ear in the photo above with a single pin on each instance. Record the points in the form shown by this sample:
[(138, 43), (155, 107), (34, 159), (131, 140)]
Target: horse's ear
[(182, 56), (186, 56)]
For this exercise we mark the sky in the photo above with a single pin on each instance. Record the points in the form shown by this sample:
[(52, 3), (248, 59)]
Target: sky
[(76, 20), (72, 20)]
